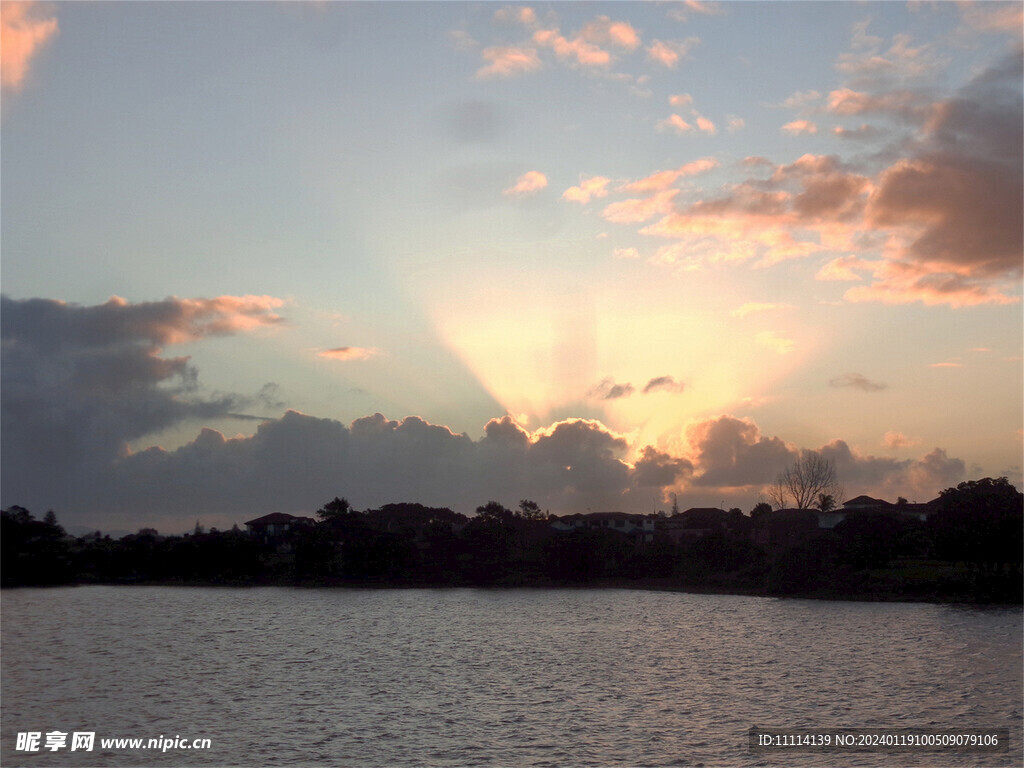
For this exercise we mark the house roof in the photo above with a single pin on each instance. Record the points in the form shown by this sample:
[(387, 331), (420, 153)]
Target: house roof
[(276, 518), (866, 501)]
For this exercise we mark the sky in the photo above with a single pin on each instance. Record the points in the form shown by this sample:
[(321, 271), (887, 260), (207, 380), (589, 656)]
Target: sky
[(257, 255)]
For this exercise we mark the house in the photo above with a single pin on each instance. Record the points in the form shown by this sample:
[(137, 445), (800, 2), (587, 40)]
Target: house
[(785, 528), (868, 505), (277, 529), (693, 524), (640, 527)]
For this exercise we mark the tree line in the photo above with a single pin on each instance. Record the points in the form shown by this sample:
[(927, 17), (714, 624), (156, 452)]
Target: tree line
[(968, 549)]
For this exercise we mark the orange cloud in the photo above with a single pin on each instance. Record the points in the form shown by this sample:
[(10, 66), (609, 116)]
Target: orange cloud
[(348, 353), (24, 28), (595, 186), (508, 61), (527, 184)]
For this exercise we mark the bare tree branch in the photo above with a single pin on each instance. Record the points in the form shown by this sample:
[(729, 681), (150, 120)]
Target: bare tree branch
[(809, 477)]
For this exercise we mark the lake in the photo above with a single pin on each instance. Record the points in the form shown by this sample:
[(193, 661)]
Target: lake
[(472, 677)]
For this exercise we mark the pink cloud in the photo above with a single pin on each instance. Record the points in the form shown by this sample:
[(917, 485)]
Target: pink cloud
[(735, 124), (801, 99), (640, 209), (907, 105), (898, 440), (864, 131), (604, 31), (670, 53), (842, 268), (705, 125), (680, 100), (663, 54), (595, 186), (902, 282), (527, 184), (800, 127), (803, 208), (585, 54), (525, 15), (674, 123), (901, 60), (25, 27), (179, 321), (664, 179), (508, 61), (626, 253), (348, 353), (993, 17)]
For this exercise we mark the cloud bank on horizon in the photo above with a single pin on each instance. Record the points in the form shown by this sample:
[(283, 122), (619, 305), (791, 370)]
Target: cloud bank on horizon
[(80, 383), (603, 254)]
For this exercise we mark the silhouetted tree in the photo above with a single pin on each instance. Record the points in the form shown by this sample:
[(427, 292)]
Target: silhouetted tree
[(33, 551), (494, 512), (868, 539), (334, 509), (530, 510), (808, 477), (979, 522)]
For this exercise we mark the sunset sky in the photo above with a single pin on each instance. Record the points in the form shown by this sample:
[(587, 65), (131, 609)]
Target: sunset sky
[(258, 255)]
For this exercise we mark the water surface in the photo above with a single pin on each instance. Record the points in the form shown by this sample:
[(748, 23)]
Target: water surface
[(463, 677)]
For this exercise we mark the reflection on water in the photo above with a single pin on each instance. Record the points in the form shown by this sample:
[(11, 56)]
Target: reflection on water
[(280, 676)]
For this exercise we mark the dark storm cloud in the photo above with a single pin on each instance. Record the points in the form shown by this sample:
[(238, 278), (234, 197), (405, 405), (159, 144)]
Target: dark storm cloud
[(79, 382), (659, 469), (298, 462)]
